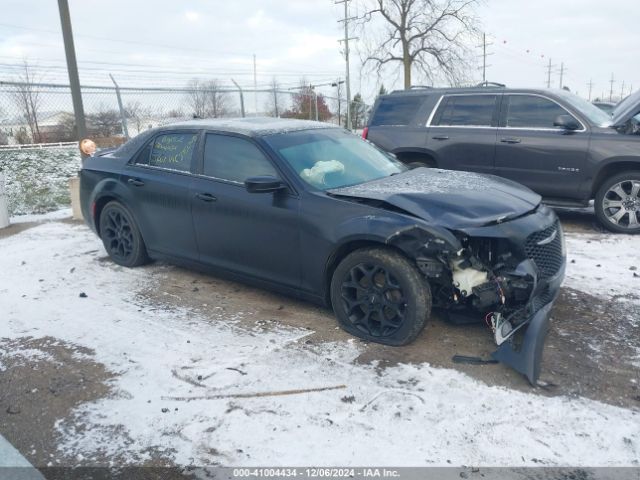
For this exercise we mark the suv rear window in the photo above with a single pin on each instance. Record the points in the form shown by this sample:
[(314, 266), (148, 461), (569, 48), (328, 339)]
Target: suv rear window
[(396, 110), (466, 110)]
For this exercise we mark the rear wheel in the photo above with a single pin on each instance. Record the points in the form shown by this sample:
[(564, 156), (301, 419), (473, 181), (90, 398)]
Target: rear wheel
[(413, 160), (380, 296), (617, 203), (121, 236)]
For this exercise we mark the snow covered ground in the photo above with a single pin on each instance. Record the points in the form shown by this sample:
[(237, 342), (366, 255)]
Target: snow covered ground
[(207, 390), (37, 180), (603, 264)]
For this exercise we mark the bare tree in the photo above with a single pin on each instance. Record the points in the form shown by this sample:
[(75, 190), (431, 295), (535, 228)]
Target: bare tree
[(217, 100), (196, 98), (207, 99), (105, 122), (136, 112), (27, 98), (275, 106), (432, 36)]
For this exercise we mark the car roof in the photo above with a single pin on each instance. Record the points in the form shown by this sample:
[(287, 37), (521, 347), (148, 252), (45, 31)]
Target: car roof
[(473, 90), (251, 126)]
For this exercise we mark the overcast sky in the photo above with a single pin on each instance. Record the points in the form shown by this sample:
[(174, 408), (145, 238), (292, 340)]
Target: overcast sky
[(167, 42)]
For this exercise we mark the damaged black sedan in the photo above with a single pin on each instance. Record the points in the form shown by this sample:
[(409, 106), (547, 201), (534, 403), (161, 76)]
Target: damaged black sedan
[(316, 212)]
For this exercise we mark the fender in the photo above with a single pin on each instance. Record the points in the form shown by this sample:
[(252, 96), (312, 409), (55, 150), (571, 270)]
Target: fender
[(108, 188), (612, 166)]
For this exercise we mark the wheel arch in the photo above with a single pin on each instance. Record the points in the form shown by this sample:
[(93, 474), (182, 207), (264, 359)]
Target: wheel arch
[(614, 167), (421, 155)]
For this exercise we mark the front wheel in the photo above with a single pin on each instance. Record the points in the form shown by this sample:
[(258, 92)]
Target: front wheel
[(617, 203), (380, 296), (121, 237)]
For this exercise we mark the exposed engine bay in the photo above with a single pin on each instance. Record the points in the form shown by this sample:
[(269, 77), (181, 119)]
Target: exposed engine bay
[(484, 280), (480, 283)]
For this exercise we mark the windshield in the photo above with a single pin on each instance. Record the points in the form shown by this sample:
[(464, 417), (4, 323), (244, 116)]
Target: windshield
[(586, 108), (333, 158)]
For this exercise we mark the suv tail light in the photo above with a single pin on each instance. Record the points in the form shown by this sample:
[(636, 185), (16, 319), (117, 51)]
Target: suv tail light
[(365, 132)]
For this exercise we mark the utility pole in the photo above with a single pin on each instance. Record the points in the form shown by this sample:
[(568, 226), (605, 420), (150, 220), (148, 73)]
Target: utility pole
[(549, 69), (72, 68), (484, 56), (561, 73), (612, 81), (590, 85), (622, 91), (346, 55)]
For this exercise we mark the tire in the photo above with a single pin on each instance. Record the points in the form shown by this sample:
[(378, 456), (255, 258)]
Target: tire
[(121, 236), (380, 296), (617, 203)]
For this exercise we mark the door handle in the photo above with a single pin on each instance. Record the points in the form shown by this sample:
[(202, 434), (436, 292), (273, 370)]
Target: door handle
[(440, 137), (136, 181), (510, 140), (206, 197)]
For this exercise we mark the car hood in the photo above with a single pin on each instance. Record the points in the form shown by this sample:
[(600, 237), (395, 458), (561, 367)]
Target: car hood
[(448, 198), (626, 109)]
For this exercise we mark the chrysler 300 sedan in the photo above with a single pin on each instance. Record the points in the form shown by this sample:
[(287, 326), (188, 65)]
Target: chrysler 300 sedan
[(314, 211)]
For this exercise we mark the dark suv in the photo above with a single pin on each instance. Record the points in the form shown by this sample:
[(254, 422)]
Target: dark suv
[(552, 141)]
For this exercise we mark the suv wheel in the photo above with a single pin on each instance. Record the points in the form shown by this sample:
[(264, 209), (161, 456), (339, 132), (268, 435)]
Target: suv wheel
[(617, 203), (380, 296), (121, 237)]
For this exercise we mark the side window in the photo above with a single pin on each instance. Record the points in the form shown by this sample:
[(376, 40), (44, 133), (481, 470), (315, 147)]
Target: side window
[(172, 151), (466, 110), (233, 158), (528, 111), (397, 110)]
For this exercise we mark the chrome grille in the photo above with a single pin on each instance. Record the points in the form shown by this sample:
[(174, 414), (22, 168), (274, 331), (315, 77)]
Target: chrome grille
[(545, 249)]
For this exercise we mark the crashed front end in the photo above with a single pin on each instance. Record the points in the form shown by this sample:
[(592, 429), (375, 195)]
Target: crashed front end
[(507, 274)]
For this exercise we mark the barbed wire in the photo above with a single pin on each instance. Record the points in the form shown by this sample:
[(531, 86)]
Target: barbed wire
[(43, 112)]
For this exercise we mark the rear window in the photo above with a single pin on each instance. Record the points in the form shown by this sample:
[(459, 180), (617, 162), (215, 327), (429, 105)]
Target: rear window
[(466, 110), (396, 110), (171, 151)]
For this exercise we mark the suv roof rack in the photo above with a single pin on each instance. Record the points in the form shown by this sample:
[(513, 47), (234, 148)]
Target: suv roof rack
[(490, 84)]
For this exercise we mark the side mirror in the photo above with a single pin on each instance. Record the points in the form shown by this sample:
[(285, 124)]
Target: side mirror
[(567, 122), (263, 184)]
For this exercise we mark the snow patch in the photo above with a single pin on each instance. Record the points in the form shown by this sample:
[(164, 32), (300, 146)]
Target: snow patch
[(206, 391), (603, 264)]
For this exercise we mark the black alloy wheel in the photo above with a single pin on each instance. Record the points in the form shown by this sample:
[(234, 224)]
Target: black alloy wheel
[(379, 295), (121, 236)]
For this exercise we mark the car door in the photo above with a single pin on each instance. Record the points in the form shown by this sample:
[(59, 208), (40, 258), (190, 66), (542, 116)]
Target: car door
[(158, 180), (462, 131), (253, 234), (530, 150)]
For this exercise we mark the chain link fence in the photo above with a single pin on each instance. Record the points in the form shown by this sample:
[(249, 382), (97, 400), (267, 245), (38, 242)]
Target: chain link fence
[(42, 113), (38, 138)]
